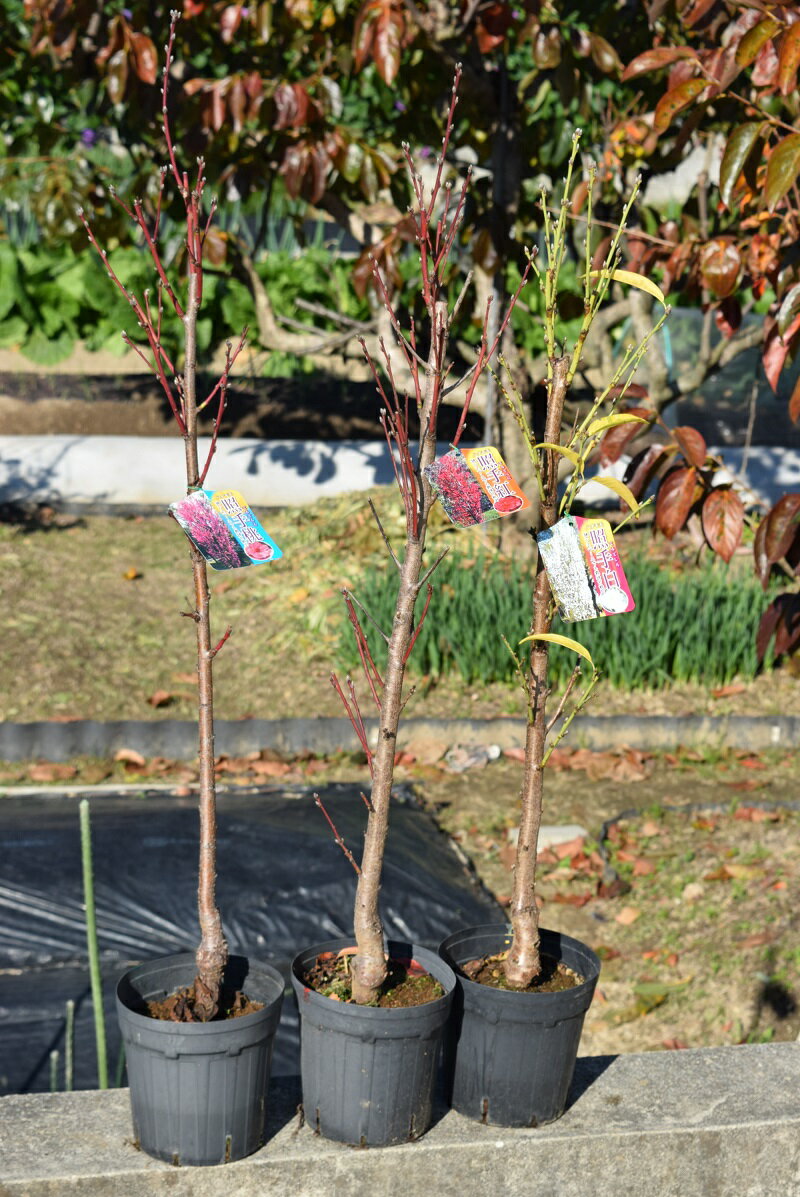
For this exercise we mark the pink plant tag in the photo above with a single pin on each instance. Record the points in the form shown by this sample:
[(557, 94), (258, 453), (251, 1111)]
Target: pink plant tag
[(224, 529), (475, 486)]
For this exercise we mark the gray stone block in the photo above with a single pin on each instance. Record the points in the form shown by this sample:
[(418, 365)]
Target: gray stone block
[(711, 1122)]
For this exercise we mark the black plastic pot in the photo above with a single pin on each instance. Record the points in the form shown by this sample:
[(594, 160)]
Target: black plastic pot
[(511, 1055), (368, 1073), (198, 1090)]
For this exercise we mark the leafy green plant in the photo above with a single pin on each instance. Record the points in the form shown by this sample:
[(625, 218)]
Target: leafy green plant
[(51, 297)]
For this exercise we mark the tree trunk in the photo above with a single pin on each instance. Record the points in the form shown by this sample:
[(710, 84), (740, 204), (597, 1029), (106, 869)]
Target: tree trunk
[(212, 952), (522, 965), (369, 964)]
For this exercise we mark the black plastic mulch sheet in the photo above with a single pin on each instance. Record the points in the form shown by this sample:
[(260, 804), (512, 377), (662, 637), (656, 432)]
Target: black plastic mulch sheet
[(282, 884)]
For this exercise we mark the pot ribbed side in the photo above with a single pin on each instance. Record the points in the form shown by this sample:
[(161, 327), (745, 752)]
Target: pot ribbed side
[(198, 1090), (369, 1074), (511, 1055)]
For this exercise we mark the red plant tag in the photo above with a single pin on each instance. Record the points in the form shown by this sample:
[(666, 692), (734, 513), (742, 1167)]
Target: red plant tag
[(475, 486)]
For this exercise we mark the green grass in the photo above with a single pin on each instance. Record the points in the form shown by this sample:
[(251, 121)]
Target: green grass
[(697, 627)]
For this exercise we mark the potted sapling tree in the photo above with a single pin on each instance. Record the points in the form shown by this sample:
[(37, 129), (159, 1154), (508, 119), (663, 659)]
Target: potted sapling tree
[(372, 1012), (197, 1027), (523, 991)]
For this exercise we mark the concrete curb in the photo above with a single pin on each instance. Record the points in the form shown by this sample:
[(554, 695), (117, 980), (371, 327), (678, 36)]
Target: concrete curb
[(711, 1121), (177, 740), (122, 473)]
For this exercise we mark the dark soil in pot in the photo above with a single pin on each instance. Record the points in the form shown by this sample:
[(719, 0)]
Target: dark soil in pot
[(511, 1053), (407, 982), (369, 1072), (198, 1090)]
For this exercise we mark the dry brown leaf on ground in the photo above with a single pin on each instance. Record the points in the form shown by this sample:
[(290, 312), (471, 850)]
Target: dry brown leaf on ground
[(269, 768), (51, 772), (129, 756)]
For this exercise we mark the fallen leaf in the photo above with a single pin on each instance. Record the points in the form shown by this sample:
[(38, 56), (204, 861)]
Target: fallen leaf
[(779, 885), (703, 824), (270, 768), (628, 915), (518, 754), (404, 758), (643, 868), (692, 892), (728, 691), (674, 1045), (758, 939), (650, 955), (749, 784), (606, 953), (755, 814), (744, 872), (129, 755), (720, 874), (651, 828), (562, 851), (161, 698), (314, 766), (613, 889), (51, 772), (752, 762), (672, 959), (189, 679), (130, 575), (299, 596), (571, 899)]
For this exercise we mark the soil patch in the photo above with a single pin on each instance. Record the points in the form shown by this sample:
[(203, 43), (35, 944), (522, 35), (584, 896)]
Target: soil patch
[(554, 977), (179, 1007), (407, 983), (315, 407)]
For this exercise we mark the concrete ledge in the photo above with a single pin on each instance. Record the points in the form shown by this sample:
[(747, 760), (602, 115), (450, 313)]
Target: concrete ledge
[(178, 739), (703, 1123)]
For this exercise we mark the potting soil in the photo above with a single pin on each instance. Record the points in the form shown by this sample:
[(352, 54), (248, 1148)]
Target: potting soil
[(283, 883)]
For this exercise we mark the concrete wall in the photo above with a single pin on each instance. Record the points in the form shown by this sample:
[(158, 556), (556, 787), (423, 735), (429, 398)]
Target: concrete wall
[(712, 1122)]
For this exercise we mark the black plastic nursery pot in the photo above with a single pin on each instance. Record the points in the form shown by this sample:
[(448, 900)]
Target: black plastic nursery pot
[(511, 1055), (368, 1073), (198, 1090)]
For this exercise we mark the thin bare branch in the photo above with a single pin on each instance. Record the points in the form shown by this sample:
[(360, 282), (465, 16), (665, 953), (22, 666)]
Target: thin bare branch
[(576, 673), (336, 837), (383, 533)]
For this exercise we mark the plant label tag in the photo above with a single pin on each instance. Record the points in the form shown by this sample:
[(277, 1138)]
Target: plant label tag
[(224, 529), (584, 568), (475, 486)]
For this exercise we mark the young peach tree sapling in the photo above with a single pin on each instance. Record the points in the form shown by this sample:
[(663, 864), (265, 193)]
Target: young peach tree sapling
[(180, 388)]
